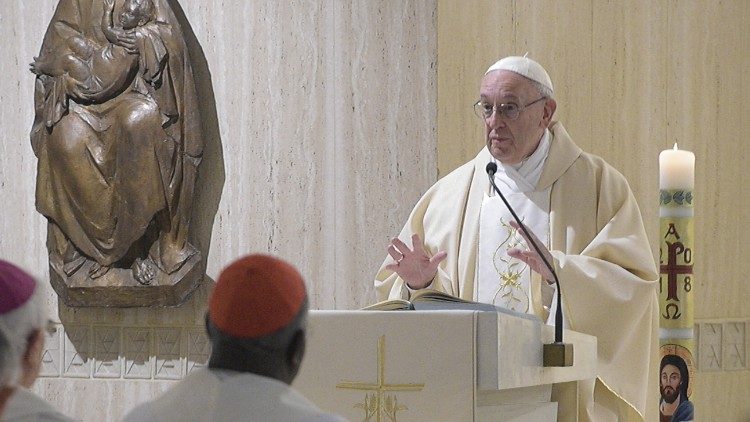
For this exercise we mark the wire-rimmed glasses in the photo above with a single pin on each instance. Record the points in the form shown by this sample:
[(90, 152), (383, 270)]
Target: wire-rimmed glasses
[(510, 111)]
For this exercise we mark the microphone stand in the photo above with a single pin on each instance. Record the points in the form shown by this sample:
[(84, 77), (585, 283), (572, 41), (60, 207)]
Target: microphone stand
[(557, 353)]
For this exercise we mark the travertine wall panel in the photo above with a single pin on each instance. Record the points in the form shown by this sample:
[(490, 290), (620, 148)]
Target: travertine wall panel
[(470, 36), (563, 44), (706, 87), (628, 98), (325, 134), (632, 78), (707, 60), (321, 135)]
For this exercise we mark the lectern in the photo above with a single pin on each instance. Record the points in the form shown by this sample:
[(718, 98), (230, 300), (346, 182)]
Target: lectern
[(436, 365)]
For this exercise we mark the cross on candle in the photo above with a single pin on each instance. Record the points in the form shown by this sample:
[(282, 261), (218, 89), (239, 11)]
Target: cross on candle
[(672, 269)]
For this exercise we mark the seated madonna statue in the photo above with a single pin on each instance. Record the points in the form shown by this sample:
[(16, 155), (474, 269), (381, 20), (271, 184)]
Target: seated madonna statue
[(118, 137)]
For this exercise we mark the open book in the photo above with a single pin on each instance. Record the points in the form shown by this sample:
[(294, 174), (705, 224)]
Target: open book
[(428, 299)]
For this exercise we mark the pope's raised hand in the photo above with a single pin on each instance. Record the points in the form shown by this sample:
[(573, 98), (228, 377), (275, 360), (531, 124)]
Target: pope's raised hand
[(530, 256), (414, 265)]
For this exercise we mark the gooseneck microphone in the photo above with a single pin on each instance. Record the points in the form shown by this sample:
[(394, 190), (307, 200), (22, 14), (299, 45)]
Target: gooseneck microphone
[(491, 170)]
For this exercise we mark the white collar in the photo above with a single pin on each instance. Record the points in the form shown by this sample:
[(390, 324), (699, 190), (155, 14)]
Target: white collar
[(526, 174)]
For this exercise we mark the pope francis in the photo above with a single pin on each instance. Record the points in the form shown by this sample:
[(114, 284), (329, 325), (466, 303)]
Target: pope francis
[(578, 208)]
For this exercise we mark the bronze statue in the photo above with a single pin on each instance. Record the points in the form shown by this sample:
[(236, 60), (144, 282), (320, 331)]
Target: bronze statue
[(118, 136)]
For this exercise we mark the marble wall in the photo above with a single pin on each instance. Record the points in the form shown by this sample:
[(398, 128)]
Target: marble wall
[(331, 117), (321, 135), (631, 79)]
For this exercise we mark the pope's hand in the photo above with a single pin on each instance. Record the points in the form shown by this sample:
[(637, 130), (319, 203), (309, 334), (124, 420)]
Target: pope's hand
[(414, 266), (530, 256)]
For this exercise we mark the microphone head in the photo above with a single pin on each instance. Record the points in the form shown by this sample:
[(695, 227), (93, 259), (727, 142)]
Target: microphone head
[(491, 168)]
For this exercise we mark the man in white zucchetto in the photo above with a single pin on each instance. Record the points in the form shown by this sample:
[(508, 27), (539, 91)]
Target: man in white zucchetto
[(586, 220)]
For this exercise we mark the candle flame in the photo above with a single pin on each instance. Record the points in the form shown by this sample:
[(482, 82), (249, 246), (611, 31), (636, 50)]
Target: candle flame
[(675, 146)]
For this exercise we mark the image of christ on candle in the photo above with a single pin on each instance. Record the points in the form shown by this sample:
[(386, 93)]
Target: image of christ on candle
[(674, 382)]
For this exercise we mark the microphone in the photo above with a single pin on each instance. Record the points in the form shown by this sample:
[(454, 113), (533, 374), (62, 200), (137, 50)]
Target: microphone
[(558, 353)]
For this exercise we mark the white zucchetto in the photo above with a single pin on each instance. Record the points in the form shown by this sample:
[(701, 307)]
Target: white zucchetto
[(523, 66)]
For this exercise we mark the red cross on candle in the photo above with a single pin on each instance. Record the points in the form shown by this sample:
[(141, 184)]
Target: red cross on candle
[(672, 269)]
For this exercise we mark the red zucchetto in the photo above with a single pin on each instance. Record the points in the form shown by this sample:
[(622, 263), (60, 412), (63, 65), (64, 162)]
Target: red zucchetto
[(255, 296)]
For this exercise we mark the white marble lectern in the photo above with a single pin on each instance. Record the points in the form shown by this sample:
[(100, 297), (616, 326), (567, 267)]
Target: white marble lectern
[(442, 365)]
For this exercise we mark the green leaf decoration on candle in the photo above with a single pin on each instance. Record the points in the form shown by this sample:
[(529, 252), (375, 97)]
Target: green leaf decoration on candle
[(679, 197), (676, 198)]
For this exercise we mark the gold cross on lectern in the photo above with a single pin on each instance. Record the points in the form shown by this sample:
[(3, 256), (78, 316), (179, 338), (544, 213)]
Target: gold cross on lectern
[(376, 405)]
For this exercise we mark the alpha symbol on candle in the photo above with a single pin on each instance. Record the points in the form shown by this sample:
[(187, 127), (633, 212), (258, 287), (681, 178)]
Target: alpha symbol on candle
[(672, 269), (672, 230)]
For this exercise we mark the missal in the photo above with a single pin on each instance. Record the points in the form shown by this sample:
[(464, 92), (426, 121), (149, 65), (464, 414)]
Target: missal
[(428, 299)]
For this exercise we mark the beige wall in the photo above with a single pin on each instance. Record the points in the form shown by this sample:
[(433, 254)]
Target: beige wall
[(631, 79), (326, 185), (317, 149)]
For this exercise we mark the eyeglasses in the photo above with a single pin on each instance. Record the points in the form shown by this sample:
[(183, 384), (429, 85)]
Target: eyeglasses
[(510, 111)]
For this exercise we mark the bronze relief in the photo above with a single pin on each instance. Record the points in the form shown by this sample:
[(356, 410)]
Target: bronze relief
[(118, 137)]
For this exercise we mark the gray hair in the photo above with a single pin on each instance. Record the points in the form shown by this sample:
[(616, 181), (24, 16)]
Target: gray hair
[(17, 327), (543, 89)]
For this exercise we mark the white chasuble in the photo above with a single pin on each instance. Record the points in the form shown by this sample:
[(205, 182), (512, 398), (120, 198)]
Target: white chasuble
[(601, 254)]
